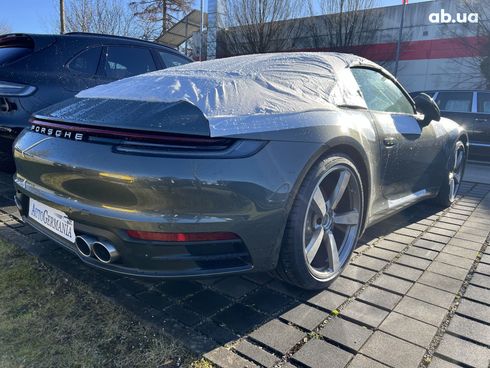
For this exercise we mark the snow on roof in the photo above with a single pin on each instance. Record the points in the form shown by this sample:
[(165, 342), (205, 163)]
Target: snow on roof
[(247, 88)]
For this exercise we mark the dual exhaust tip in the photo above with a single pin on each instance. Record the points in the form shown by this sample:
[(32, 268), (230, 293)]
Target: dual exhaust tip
[(104, 251)]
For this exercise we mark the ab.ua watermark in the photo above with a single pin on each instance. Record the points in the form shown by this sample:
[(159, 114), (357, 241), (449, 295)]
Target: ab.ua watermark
[(443, 17)]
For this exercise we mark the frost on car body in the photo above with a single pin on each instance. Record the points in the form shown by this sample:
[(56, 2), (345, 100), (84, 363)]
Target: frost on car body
[(249, 93)]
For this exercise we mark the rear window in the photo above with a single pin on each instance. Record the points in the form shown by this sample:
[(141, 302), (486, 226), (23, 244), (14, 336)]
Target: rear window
[(455, 101)]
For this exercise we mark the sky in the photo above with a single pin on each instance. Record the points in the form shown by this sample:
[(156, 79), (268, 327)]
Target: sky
[(39, 16)]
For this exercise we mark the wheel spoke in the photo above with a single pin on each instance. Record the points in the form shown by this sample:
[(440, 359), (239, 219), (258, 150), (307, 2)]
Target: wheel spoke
[(459, 160), (457, 177), (319, 201), (346, 218), (332, 251), (339, 189), (451, 188), (314, 244)]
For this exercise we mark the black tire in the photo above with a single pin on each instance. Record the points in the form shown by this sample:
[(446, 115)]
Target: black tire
[(453, 177), (311, 229)]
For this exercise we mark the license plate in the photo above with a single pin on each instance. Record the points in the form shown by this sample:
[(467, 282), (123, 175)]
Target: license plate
[(52, 219)]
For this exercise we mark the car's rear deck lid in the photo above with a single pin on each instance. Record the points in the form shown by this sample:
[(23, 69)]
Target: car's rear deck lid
[(174, 117)]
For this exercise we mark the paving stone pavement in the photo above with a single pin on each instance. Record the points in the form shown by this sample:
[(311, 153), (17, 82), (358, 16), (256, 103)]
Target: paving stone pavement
[(415, 294)]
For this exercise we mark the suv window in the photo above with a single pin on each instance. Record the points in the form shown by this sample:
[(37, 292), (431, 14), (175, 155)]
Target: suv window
[(483, 102), (455, 101), (171, 60), (381, 93), (86, 62), (122, 62)]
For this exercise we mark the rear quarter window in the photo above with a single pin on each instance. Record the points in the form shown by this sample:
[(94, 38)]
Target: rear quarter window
[(86, 62)]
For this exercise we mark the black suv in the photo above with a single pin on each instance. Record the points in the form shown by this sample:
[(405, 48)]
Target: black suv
[(39, 70), (471, 109)]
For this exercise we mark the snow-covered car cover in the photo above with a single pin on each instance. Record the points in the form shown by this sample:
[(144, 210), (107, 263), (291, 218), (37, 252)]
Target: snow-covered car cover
[(246, 93)]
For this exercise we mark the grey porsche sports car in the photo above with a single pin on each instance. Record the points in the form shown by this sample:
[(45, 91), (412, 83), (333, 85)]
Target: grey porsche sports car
[(250, 163)]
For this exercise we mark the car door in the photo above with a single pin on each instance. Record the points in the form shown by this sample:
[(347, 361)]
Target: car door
[(409, 149), (480, 130)]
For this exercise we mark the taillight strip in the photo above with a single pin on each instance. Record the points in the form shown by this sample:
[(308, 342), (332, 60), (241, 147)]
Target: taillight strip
[(124, 134)]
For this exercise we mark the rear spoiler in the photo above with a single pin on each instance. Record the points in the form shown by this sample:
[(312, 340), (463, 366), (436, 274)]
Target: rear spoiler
[(34, 42)]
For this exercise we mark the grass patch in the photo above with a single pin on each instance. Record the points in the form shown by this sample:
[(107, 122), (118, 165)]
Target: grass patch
[(50, 320)]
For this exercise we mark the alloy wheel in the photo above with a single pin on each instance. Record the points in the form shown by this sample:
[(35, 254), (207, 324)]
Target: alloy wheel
[(332, 222), (456, 172)]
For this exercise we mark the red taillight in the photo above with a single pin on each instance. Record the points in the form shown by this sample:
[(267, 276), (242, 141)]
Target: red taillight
[(181, 237)]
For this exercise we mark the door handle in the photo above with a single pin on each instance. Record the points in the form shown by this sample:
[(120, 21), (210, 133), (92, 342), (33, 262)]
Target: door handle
[(481, 119), (389, 141)]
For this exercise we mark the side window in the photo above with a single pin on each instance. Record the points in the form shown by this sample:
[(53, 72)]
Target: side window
[(484, 102), (455, 101), (170, 59), (380, 93), (122, 62), (86, 62)]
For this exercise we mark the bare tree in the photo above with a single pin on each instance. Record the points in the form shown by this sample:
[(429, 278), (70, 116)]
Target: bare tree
[(147, 28), (158, 16), (4, 28), (258, 26), (99, 16), (477, 23), (345, 23)]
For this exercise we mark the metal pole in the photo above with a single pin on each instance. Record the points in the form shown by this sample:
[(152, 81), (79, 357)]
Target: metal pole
[(164, 17), (186, 33), (62, 16), (201, 36), (400, 34)]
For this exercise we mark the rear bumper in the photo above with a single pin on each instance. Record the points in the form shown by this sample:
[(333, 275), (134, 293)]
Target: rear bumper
[(153, 259), (107, 193)]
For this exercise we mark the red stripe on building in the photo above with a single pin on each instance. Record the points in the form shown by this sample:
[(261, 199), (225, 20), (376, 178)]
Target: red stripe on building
[(418, 50)]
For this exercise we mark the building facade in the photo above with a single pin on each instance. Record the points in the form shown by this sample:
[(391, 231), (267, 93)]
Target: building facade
[(443, 42)]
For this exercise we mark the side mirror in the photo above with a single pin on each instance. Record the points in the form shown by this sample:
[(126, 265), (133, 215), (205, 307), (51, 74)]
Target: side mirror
[(427, 106)]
